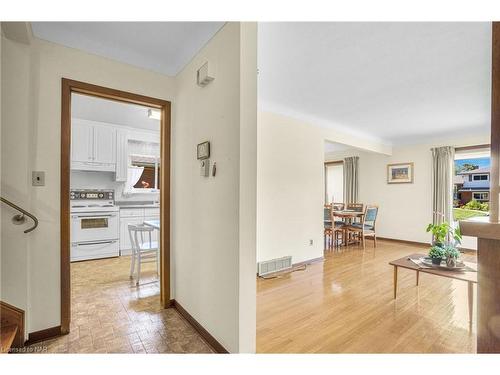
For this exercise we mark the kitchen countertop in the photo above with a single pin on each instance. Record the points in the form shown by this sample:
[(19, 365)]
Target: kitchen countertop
[(137, 204)]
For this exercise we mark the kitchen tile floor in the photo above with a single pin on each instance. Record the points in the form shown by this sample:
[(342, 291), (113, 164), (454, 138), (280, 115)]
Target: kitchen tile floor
[(111, 315)]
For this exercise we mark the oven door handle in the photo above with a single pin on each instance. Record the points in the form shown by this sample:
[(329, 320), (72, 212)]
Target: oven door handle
[(95, 243), (91, 216)]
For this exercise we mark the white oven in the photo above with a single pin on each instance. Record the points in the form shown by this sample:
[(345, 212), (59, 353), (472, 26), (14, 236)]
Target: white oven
[(94, 226), (94, 250)]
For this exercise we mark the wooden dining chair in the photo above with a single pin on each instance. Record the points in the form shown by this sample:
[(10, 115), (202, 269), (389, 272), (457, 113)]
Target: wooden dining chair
[(357, 207), (327, 224), (338, 206), (338, 224), (338, 233), (367, 226)]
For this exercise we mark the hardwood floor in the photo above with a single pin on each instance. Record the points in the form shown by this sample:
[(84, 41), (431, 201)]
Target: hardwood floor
[(345, 305), (111, 315)]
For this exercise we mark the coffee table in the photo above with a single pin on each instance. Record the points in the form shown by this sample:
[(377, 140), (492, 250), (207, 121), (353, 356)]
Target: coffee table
[(469, 276)]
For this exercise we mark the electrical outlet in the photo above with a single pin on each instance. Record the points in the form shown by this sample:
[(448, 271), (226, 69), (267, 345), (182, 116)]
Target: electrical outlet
[(311, 242), (37, 178)]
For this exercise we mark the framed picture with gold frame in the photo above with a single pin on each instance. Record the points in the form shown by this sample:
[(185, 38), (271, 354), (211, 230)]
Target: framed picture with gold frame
[(400, 173)]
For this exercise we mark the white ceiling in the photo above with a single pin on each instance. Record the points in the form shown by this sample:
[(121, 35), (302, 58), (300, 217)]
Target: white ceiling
[(396, 82), (97, 109), (164, 47)]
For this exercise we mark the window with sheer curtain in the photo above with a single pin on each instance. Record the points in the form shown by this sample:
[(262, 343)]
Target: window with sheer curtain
[(143, 174), (334, 182)]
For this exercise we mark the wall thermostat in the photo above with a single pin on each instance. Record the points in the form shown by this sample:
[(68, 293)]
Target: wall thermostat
[(203, 150), (205, 168)]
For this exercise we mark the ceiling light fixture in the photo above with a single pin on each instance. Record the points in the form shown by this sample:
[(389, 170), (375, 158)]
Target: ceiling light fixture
[(154, 114)]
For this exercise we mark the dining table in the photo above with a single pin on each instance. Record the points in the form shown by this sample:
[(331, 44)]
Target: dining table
[(349, 216), (153, 223)]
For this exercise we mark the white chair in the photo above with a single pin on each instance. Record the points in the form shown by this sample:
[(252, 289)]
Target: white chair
[(143, 251)]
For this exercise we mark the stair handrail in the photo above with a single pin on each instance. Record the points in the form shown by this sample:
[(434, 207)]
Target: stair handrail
[(20, 218)]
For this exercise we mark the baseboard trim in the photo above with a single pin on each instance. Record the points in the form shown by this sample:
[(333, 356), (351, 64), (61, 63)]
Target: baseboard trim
[(199, 328), (44, 334), (415, 243), (308, 262), (422, 244)]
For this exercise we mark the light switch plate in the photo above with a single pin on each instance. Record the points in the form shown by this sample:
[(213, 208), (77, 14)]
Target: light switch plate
[(205, 168), (38, 178)]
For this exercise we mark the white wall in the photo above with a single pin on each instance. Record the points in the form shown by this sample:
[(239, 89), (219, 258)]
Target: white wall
[(31, 121), (290, 185), (405, 210), (248, 188), (211, 248), (1, 209), (16, 158)]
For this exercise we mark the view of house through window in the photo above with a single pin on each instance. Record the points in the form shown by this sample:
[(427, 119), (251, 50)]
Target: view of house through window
[(471, 194)]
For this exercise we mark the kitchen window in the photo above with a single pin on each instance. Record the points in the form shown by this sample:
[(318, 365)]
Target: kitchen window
[(149, 178), (143, 174)]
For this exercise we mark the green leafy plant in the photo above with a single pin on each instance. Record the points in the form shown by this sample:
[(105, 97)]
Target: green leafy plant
[(437, 252), (443, 233), (451, 251)]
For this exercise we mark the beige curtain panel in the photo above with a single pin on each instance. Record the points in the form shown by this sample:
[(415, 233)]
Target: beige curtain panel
[(351, 176), (443, 159)]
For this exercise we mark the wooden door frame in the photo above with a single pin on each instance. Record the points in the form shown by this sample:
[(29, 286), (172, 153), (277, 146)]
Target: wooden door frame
[(69, 87)]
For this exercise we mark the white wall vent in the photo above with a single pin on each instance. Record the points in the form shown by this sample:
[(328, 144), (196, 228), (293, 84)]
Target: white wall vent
[(274, 265)]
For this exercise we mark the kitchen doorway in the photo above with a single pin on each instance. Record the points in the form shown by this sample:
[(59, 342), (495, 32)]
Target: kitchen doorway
[(152, 174)]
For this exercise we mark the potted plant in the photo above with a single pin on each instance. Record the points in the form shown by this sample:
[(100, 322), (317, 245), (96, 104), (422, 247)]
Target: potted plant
[(451, 255), (443, 233), (444, 244), (436, 253)]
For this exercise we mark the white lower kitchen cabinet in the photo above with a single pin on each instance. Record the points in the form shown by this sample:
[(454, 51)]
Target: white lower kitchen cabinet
[(155, 233), (135, 216)]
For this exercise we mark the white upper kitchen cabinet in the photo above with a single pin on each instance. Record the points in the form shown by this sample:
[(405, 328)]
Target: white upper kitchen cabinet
[(104, 144), (82, 143), (121, 155), (92, 146)]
